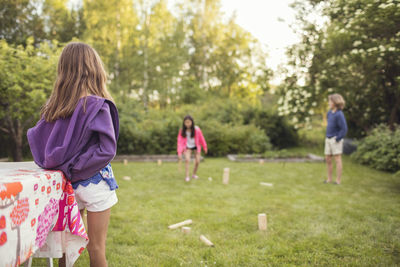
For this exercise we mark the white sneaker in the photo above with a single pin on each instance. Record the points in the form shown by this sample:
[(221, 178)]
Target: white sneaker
[(195, 177), (187, 179)]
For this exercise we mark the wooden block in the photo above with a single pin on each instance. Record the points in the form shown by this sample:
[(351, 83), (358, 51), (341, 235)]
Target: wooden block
[(206, 241), (261, 161), (186, 230), (210, 179), (159, 162), (266, 184), (177, 225), (126, 178), (262, 221), (125, 162), (225, 177)]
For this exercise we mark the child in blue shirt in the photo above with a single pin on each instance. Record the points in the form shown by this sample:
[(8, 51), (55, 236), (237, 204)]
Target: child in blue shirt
[(335, 132)]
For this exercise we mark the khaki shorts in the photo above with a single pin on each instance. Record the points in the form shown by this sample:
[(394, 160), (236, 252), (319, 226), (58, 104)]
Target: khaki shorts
[(332, 147)]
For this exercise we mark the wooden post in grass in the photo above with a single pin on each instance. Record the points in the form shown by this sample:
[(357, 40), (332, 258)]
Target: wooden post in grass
[(261, 161), (125, 162), (159, 162), (206, 241), (186, 230), (262, 221), (177, 225), (225, 177)]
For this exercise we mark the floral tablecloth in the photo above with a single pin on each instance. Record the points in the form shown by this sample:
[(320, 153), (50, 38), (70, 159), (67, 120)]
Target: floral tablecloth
[(39, 216)]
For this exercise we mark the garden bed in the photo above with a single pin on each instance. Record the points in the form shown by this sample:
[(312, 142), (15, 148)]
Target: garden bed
[(149, 158), (277, 158)]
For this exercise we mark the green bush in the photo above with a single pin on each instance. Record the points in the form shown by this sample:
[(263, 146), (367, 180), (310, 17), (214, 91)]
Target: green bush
[(380, 149), (223, 139), (229, 126)]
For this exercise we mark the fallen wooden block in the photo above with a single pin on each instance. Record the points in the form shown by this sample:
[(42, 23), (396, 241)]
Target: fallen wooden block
[(266, 184), (225, 177), (126, 178), (210, 179), (206, 241), (125, 162), (177, 225), (186, 230), (262, 221)]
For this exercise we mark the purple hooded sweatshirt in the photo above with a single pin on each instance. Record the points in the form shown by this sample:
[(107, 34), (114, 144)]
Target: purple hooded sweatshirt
[(80, 145)]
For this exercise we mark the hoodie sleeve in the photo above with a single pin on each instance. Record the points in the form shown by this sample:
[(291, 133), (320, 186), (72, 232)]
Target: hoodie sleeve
[(103, 147), (343, 127), (202, 140), (179, 148)]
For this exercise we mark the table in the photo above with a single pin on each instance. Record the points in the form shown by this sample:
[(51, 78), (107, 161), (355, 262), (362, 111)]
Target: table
[(39, 216)]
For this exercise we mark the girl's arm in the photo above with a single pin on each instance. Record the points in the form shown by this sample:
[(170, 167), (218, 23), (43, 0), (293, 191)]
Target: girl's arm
[(343, 127), (203, 141), (102, 147)]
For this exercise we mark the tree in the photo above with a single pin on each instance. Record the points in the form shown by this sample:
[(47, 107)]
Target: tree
[(355, 53), (26, 78), (19, 20)]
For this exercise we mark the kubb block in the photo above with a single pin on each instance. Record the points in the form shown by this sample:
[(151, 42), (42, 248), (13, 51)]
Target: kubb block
[(125, 162), (186, 230), (159, 162), (262, 221), (225, 177)]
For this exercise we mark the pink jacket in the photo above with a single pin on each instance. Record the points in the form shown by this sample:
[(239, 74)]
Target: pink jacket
[(198, 138)]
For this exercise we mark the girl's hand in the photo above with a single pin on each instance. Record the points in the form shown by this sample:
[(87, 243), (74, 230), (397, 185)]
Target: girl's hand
[(206, 151)]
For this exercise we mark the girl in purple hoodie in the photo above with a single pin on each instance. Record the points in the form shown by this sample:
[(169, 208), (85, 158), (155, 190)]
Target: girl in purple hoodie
[(77, 134)]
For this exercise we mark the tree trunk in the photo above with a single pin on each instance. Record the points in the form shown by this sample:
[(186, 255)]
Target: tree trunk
[(18, 142), (394, 118)]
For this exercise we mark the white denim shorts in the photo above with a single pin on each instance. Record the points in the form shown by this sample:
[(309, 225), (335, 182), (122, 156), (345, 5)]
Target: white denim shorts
[(332, 147), (95, 197)]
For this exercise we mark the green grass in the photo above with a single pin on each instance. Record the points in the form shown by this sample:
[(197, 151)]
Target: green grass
[(309, 223)]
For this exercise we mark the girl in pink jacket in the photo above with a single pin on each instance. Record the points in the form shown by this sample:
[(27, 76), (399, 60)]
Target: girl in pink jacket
[(190, 138)]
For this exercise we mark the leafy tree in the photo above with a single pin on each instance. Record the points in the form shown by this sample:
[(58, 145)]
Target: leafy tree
[(26, 78), (355, 53)]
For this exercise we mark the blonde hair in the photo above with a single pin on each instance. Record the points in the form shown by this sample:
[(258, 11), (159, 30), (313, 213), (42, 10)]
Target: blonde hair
[(80, 72), (337, 100)]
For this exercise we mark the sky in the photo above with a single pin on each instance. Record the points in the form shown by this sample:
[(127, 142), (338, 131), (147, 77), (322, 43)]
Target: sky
[(267, 20)]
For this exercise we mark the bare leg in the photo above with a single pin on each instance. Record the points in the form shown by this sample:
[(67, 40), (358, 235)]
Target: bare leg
[(97, 231), (329, 166), (196, 163), (188, 154), (339, 167)]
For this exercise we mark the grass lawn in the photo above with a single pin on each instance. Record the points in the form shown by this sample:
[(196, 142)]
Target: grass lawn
[(309, 223)]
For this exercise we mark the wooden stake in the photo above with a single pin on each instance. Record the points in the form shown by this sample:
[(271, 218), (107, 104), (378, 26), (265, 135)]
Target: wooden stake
[(261, 161), (262, 221), (225, 177), (186, 230), (126, 178), (206, 241), (125, 162), (177, 225), (159, 162)]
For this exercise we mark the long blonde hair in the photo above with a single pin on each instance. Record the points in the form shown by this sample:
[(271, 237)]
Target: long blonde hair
[(80, 72)]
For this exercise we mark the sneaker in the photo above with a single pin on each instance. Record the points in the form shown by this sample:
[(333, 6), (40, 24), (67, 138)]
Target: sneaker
[(195, 177), (327, 182), (187, 179)]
